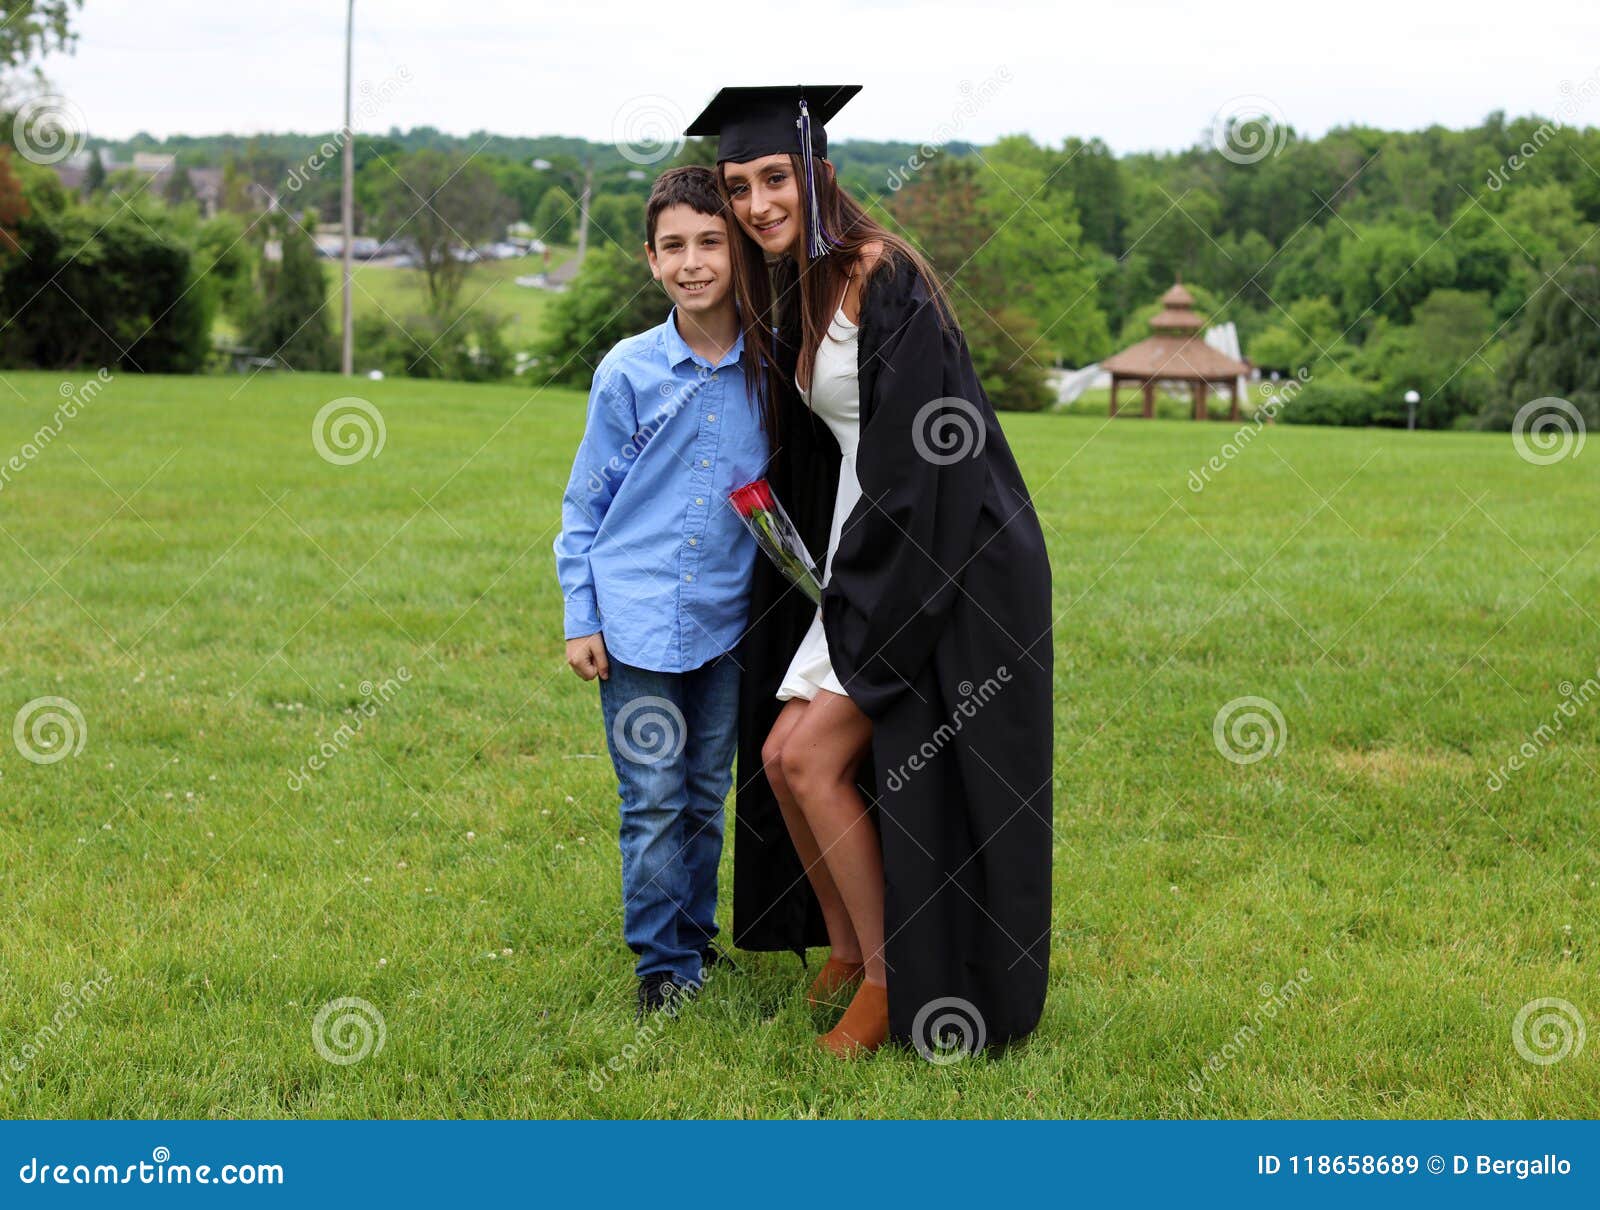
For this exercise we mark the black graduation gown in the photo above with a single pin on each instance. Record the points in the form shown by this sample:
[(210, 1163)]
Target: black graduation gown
[(938, 619)]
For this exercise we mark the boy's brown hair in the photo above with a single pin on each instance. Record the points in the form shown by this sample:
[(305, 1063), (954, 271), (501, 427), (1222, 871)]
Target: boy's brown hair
[(693, 186)]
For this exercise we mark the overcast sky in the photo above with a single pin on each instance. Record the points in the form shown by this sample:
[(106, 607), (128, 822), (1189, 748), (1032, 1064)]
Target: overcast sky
[(1138, 74)]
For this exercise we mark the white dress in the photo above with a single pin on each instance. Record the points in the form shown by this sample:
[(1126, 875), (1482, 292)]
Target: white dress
[(835, 396)]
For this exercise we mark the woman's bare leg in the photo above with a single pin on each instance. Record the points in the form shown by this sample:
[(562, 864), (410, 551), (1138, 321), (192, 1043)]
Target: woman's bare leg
[(841, 934), (819, 760)]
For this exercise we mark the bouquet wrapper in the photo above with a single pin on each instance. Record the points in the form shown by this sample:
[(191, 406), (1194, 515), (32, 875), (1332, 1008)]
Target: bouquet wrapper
[(776, 535)]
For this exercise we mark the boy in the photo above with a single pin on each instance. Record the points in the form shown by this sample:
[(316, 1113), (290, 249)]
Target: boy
[(655, 570)]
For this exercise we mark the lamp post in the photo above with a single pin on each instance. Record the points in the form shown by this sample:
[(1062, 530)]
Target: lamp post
[(347, 205), (1412, 399)]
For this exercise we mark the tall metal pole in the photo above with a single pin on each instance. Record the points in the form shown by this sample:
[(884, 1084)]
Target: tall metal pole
[(347, 352), (583, 211)]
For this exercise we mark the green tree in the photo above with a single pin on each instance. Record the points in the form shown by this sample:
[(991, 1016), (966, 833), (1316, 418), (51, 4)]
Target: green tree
[(556, 219), (1307, 335), (103, 286), (944, 210), (293, 322), (1441, 355), (617, 219), (444, 207), (1033, 255), (94, 177), (1552, 353), (178, 188), (613, 296), (35, 27)]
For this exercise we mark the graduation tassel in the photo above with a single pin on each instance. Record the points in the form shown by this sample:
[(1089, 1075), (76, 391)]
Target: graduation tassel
[(817, 241)]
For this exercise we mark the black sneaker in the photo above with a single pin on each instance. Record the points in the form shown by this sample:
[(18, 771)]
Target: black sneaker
[(711, 957), (658, 991)]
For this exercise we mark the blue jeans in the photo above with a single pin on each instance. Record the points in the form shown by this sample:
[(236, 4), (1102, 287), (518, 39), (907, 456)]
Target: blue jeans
[(672, 737)]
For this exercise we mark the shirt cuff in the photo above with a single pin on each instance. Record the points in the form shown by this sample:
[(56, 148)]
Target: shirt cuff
[(582, 616)]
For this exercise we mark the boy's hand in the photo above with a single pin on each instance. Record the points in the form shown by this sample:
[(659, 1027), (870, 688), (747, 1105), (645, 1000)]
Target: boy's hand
[(587, 657)]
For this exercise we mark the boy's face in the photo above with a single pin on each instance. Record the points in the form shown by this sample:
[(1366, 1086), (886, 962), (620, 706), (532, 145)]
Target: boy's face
[(690, 258)]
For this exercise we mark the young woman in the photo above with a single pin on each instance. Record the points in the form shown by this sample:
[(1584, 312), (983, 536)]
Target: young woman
[(904, 727)]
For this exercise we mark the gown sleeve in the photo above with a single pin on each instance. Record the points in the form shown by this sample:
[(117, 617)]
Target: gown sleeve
[(923, 476)]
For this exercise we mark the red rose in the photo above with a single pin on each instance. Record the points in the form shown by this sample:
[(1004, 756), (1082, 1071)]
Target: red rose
[(752, 496)]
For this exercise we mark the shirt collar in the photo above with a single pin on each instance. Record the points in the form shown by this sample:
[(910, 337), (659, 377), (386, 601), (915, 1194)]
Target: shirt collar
[(678, 350)]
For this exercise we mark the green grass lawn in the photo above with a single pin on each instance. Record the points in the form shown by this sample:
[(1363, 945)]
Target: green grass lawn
[(1350, 925), (399, 296)]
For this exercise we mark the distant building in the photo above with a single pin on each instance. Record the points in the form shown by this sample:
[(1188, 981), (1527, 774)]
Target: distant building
[(207, 182)]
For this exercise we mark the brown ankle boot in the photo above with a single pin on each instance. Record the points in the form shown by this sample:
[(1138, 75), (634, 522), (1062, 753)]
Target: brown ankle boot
[(864, 1026), (833, 976)]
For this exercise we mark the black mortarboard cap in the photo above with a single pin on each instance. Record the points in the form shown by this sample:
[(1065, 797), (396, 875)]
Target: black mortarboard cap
[(787, 119), (752, 122)]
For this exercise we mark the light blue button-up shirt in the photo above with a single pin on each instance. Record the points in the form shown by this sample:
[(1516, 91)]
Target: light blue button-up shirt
[(650, 552)]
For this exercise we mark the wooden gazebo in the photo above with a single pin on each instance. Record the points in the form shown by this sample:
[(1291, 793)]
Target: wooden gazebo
[(1175, 351)]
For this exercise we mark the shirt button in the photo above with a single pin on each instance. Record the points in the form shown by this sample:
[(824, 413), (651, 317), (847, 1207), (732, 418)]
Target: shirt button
[(713, 376), (705, 462), (687, 576), (711, 416), (694, 541), (698, 500)]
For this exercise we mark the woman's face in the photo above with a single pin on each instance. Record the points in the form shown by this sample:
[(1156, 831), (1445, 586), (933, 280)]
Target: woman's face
[(766, 201)]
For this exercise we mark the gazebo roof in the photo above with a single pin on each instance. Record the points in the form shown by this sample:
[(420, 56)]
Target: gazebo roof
[(1169, 355), (1177, 296), (1176, 349)]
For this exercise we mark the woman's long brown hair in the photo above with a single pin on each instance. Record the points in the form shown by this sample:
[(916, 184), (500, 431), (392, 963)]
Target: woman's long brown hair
[(769, 296)]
